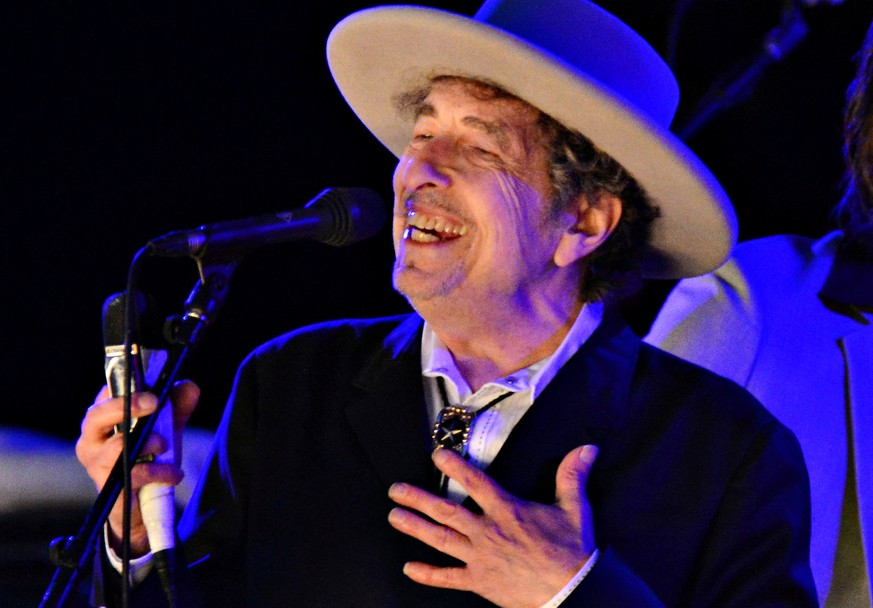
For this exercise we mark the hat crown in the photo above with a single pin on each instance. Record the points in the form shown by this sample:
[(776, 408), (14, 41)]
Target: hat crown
[(595, 43), (573, 61)]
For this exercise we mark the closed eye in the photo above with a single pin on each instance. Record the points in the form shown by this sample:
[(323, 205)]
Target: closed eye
[(484, 153)]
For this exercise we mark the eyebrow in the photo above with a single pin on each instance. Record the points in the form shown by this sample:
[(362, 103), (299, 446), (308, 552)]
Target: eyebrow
[(495, 129)]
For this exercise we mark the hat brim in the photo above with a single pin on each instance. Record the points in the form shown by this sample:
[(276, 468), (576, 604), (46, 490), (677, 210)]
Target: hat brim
[(377, 53)]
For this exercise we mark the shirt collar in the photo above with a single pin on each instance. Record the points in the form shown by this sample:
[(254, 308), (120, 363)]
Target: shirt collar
[(436, 360)]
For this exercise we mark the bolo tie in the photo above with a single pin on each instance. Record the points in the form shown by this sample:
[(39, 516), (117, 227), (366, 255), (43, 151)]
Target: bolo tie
[(451, 431)]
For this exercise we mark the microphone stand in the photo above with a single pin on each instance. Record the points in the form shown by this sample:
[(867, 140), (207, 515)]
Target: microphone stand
[(780, 41), (72, 555)]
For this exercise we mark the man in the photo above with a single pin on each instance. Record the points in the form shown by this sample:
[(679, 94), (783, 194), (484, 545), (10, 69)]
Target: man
[(525, 448), (789, 318)]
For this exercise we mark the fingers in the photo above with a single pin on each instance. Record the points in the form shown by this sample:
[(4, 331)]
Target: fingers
[(514, 553), (441, 538), (99, 456), (455, 522), (101, 418), (155, 472), (572, 477), (184, 395), (446, 578), (106, 412), (481, 488), (99, 446)]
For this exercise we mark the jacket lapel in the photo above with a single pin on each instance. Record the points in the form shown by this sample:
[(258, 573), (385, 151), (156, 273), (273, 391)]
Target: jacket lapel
[(589, 396), (858, 348), (390, 418), (844, 293)]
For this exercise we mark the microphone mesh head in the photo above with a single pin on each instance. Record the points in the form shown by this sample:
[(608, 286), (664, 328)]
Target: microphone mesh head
[(113, 319), (357, 214), (148, 328)]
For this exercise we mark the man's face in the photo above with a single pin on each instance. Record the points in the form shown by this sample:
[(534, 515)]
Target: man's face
[(471, 201)]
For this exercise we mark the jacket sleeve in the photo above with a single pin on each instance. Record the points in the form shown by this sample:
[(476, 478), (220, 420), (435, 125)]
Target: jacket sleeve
[(758, 546), (756, 551)]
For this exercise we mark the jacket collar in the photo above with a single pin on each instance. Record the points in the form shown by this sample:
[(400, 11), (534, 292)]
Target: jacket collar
[(849, 281), (586, 402), (589, 398)]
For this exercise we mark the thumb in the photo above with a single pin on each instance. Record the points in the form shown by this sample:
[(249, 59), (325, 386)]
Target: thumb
[(570, 484)]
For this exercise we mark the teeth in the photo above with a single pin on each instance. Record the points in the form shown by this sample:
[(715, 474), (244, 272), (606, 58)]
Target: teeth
[(413, 234), (433, 224)]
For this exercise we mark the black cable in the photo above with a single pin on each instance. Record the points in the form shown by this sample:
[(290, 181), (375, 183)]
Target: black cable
[(129, 367), (164, 561)]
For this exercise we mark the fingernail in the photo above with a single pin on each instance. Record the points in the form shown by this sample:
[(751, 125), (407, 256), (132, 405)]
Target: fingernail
[(439, 456), (396, 517), (145, 403), (397, 490), (588, 451)]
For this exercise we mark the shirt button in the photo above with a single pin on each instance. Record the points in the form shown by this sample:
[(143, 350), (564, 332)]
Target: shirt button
[(511, 379)]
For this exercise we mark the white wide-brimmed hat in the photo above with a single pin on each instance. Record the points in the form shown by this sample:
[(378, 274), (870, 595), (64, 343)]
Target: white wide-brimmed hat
[(573, 61)]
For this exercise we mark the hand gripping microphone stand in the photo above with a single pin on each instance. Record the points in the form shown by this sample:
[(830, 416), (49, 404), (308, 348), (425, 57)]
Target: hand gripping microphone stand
[(73, 555), (337, 216)]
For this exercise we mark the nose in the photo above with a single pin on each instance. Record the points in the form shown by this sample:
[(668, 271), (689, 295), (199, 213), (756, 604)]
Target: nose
[(426, 166)]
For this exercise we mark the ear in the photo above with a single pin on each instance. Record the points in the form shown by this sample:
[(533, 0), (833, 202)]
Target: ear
[(593, 218)]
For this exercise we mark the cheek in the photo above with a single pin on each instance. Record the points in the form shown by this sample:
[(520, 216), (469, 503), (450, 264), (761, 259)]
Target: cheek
[(522, 207), (399, 177), (398, 227), (399, 215)]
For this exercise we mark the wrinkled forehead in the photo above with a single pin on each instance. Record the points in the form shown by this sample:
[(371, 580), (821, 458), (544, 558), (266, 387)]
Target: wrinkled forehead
[(511, 122)]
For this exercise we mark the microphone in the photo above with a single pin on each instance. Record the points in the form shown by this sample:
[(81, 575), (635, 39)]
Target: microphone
[(157, 500), (337, 216)]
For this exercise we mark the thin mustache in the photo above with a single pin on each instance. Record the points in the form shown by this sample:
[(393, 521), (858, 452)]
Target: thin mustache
[(433, 200)]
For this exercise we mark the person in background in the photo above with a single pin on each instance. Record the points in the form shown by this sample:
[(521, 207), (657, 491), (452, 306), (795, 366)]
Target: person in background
[(510, 442), (789, 318)]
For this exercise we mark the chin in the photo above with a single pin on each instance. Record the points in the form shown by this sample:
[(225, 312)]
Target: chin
[(407, 286), (416, 290)]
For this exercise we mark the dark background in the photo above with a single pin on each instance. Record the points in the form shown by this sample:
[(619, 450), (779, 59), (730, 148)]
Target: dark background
[(126, 121), (130, 121)]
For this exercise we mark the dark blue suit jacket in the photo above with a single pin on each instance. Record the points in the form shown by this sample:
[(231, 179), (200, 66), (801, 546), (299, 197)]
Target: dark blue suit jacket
[(700, 497)]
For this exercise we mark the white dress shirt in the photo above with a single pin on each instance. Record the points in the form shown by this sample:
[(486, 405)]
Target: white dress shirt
[(491, 429)]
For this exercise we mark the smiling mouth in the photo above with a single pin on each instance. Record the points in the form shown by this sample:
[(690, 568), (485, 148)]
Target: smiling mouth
[(423, 228)]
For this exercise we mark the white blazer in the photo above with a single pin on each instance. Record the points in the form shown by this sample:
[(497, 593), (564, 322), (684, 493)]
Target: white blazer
[(759, 320)]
